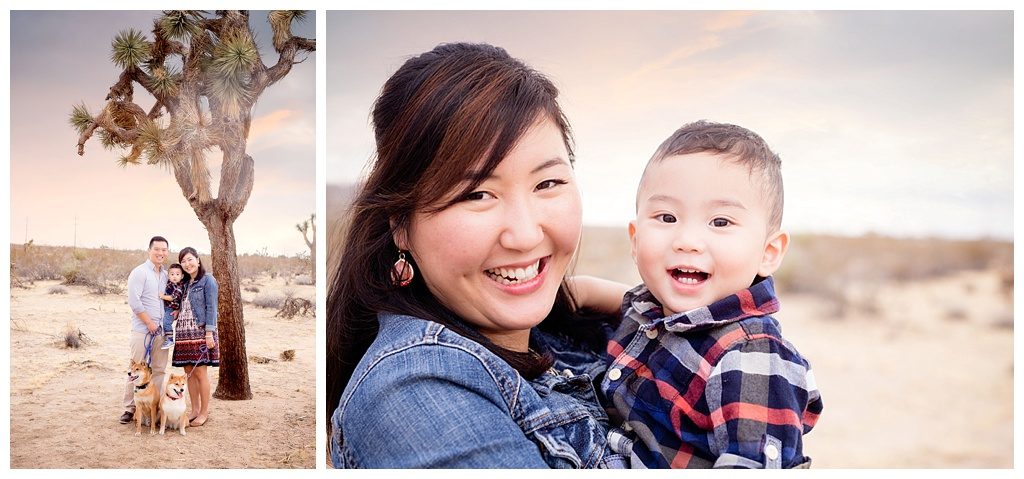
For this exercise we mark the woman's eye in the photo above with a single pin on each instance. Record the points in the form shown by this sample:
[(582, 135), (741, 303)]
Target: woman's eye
[(720, 222), (547, 184), (666, 218), (476, 196)]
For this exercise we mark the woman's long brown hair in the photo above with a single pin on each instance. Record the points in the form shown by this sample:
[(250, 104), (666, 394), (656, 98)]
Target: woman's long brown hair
[(436, 118)]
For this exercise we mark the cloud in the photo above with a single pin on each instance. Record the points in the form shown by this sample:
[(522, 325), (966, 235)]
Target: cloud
[(268, 123)]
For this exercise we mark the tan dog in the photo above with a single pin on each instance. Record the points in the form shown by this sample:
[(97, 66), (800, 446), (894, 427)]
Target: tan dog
[(147, 403), (172, 403)]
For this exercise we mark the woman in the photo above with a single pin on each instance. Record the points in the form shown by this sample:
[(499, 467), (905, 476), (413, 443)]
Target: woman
[(196, 344), (456, 251)]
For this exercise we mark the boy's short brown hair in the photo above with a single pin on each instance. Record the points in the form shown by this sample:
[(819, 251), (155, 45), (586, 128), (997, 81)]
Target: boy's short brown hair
[(741, 146)]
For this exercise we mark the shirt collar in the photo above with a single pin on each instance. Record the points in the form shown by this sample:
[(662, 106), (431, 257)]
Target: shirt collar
[(757, 300), (152, 266)]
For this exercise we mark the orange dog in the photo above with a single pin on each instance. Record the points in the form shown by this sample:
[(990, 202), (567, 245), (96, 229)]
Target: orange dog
[(172, 404), (147, 403)]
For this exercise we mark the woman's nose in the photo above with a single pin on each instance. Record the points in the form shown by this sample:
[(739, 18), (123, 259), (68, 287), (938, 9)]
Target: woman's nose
[(522, 229)]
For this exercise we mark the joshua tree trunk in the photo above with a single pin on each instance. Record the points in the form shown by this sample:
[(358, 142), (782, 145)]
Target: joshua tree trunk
[(209, 104), (233, 382)]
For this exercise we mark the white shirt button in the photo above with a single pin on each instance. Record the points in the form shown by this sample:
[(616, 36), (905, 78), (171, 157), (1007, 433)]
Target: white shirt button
[(771, 452), (614, 374), (651, 333)]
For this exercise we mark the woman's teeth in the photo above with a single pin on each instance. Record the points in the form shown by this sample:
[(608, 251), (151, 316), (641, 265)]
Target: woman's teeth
[(514, 275)]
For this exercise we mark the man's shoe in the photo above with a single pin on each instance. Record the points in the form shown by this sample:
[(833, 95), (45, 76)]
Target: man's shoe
[(167, 343), (127, 417)]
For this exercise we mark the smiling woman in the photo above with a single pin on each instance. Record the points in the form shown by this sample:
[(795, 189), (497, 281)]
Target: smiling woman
[(479, 359)]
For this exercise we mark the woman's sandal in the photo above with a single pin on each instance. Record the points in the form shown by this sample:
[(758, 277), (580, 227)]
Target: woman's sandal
[(193, 423)]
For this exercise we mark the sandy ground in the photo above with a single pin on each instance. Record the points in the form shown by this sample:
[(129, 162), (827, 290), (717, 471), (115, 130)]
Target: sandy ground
[(65, 403), (924, 382)]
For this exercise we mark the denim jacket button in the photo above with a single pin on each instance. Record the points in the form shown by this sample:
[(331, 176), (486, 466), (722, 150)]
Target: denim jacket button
[(567, 373), (771, 452), (614, 374), (651, 333)]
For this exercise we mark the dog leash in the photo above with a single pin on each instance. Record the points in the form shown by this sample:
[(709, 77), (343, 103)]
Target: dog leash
[(150, 338), (203, 351)]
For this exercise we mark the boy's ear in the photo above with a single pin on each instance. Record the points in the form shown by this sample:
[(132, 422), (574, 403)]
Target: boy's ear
[(774, 250), (632, 239)]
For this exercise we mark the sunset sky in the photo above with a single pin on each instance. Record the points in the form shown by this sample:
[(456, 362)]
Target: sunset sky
[(52, 187), (891, 122)]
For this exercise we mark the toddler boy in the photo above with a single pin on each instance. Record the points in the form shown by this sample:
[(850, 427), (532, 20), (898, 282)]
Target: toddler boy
[(172, 302), (698, 369)]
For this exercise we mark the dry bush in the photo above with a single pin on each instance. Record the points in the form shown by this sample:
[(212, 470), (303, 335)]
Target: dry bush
[(107, 288), (253, 266), (288, 355), (295, 307), (269, 300), (72, 337), (303, 280), (261, 359), (57, 289), (252, 289)]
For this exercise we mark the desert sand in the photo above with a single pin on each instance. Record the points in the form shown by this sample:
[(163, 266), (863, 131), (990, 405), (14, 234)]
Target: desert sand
[(65, 403), (921, 383)]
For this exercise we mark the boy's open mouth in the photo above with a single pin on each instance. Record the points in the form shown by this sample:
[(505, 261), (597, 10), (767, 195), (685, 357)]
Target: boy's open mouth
[(689, 276), (509, 276)]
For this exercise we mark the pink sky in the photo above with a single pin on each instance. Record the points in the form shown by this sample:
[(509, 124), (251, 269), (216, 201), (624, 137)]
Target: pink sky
[(52, 187)]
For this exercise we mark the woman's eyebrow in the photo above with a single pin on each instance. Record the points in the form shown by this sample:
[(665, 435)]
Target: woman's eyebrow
[(473, 176), (550, 163)]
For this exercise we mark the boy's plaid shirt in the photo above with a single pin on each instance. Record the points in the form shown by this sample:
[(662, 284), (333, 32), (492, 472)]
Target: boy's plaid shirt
[(712, 387), (175, 291)]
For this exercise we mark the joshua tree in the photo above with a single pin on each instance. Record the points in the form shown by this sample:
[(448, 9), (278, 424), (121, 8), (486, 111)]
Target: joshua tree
[(303, 228), (205, 73)]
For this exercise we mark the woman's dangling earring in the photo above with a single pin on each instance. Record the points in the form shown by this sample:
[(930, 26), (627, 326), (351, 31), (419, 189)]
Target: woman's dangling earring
[(402, 272)]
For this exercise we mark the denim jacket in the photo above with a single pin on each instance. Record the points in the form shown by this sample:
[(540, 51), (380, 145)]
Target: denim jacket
[(202, 295), (424, 396)]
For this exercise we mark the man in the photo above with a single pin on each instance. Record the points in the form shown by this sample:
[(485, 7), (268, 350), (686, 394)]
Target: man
[(145, 284)]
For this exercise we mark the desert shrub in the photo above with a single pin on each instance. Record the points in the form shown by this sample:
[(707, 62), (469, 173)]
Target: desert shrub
[(72, 337), (252, 289), (288, 355), (57, 289), (261, 359), (295, 307), (269, 300), (304, 280), (106, 288)]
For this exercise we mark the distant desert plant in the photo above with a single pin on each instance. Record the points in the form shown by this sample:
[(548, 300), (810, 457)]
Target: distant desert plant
[(295, 307), (252, 289), (72, 337), (303, 280), (253, 266), (269, 300), (288, 355), (308, 230), (57, 289)]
